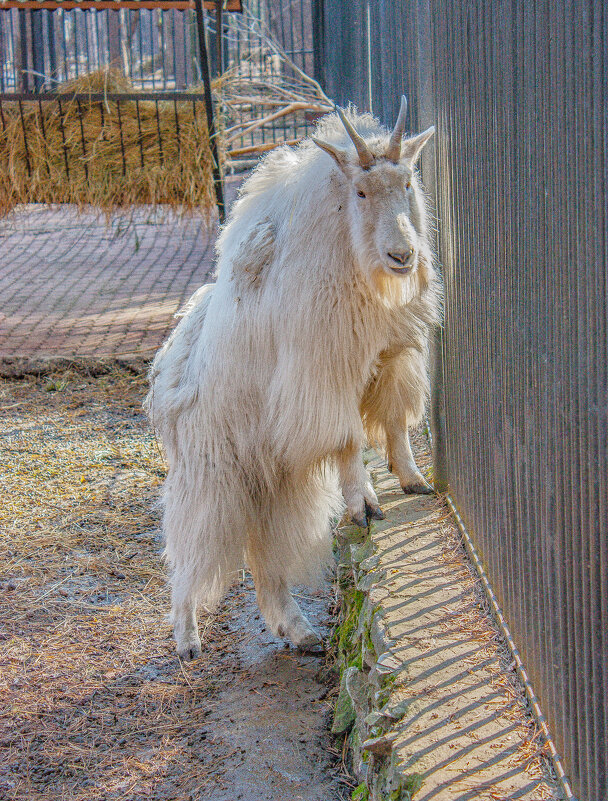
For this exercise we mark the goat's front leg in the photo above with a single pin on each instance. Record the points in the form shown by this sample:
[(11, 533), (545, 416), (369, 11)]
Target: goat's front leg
[(401, 462), (359, 495)]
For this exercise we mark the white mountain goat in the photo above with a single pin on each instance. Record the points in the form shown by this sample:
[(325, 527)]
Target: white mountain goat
[(314, 336)]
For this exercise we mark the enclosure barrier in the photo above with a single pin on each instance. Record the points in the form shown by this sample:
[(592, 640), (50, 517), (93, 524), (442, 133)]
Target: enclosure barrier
[(36, 51), (518, 92), (155, 44)]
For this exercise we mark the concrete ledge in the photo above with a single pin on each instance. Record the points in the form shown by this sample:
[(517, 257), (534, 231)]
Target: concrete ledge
[(428, 698), (21, 366)]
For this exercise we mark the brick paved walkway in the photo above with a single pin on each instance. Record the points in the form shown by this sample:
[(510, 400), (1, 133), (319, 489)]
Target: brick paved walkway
[(71, 286)]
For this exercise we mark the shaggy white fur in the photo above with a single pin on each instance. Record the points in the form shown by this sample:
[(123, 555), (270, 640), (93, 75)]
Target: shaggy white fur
[(314, 336)]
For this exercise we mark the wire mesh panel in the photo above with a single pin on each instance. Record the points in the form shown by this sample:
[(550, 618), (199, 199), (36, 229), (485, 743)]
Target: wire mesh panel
[(40, 49), (156, 49), (371, 54)]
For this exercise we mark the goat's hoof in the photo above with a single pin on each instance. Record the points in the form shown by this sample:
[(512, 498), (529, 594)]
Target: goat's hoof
[(360, 520), (373, 512), (311, 644), (190, 652), (418, 487)]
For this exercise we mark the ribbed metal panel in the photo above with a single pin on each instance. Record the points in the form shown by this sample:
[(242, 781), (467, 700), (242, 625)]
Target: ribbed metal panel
[(520, 97), (518, 92)]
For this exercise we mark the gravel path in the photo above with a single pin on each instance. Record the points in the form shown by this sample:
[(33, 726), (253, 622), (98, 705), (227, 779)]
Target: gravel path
[(76, 285)]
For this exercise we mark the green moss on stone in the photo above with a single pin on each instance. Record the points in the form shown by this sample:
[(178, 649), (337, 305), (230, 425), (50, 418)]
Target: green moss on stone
[(410, 785), (344, 715), (413, 783), (360, 793), (356, 661), (347, 641)]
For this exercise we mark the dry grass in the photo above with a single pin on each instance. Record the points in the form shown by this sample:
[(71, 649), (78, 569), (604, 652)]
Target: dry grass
[(96, 706), (111, 156), (177, 162)]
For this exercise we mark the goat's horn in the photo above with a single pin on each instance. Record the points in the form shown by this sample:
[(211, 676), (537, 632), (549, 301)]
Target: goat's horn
[(366, 157), (393, 151)]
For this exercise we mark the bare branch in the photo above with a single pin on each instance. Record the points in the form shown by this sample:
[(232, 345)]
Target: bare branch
[(290, 109)]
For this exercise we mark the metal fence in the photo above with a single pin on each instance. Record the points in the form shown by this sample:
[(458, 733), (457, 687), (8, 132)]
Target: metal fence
[(521, 101), (157, 49), (519, 95)]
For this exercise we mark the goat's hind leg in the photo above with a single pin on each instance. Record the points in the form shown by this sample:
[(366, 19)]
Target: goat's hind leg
[(393, 401), (183, 616), (401, 462), (281, 612)]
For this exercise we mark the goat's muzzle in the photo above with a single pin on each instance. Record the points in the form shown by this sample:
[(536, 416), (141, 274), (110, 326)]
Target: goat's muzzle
[(403, 261)]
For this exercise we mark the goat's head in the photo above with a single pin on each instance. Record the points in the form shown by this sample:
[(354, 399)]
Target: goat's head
[(383, 199)]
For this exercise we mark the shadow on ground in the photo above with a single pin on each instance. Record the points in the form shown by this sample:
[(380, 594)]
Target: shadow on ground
[(466, 732)]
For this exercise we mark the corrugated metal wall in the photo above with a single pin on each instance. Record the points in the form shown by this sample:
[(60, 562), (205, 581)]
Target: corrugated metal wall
[(518, 92)]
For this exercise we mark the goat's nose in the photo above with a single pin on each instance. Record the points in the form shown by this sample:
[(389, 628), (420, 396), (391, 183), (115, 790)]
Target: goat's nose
[(400, 258)]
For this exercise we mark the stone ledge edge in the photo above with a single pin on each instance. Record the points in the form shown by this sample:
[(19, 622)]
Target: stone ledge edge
[(365, 711)]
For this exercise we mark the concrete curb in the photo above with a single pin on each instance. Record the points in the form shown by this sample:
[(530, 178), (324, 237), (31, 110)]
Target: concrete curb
[(428, 700), (21, 366)]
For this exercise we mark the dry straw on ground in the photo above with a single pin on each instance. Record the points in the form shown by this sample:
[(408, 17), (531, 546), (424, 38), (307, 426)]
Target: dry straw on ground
[(95, 705), (103, 154)]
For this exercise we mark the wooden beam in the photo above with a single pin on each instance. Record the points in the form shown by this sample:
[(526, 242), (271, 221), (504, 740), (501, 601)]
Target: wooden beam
[(115, 5)]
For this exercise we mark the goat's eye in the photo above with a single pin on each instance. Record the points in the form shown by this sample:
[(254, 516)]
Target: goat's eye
[(360, 193), (408, 184)]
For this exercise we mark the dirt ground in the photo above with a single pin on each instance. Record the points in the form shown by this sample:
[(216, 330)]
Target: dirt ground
[(95, 703)]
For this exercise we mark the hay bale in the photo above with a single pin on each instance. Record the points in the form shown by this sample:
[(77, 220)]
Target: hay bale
[(105, 154)]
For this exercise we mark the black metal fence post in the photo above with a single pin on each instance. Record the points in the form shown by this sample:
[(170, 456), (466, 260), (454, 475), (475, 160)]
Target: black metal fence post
[(37, 49), (217, 171)]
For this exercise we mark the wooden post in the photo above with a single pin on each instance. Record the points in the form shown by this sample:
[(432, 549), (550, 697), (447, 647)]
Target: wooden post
[(22, 71), (50, 30), (37, 49), (179, 42)]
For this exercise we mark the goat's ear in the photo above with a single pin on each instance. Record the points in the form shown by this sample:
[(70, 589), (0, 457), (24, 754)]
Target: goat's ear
[(339, 156), (412, 148)]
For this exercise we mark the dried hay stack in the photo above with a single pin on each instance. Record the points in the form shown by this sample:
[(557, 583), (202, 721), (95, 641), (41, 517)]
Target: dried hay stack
[(167, 159)]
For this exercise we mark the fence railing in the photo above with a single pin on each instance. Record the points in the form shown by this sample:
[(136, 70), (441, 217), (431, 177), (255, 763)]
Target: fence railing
[(108, 150), (523, 117), (519, 95)]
